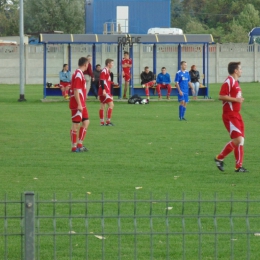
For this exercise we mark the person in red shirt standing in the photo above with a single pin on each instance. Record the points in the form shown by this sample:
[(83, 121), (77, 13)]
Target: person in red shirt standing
[(79, 112), (231, 96), (127, 65), (104, 94)]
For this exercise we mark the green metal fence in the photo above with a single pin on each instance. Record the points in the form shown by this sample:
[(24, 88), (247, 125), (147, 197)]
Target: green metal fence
[(137, 228)]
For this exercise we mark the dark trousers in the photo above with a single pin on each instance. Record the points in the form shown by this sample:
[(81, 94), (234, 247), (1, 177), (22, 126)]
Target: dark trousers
[(94, 88)]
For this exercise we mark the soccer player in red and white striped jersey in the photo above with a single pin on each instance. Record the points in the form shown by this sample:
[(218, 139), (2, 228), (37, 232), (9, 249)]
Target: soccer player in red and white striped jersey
[(231, 96), (104, 94), (79, 112)]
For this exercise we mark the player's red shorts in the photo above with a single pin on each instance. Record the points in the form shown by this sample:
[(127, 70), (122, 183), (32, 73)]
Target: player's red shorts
[(64, 84), (106, 99), (77, 116), (234, 124), (127, 76)]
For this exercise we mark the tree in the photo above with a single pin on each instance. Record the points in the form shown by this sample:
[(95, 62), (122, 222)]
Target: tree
[(9, 17), (249, 18), (225, 19), (237, 33), (196, 27), (54, 15)]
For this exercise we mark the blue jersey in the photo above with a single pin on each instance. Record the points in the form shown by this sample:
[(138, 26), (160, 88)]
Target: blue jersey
[(183, 78), (163, 78)]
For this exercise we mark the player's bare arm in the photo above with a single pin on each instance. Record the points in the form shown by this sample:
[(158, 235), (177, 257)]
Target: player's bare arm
[(178, 88), (76, 95), (231, 99)]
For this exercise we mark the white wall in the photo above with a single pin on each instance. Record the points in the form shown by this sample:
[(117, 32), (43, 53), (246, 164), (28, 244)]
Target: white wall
[(219, 56)]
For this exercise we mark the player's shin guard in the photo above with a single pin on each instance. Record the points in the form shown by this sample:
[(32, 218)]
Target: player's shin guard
[(109, 114), (239, 154), (101, 116), (230, 146), (82, 134), (73, 138)]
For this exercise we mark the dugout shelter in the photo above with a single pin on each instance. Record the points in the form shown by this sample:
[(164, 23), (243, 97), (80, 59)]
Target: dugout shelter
[(127, 42)]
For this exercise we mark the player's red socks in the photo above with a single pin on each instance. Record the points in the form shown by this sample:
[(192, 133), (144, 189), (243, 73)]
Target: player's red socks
[(82, 134), (230, 146), (239, 155), (73, 138), (101, 116), (109, 114)]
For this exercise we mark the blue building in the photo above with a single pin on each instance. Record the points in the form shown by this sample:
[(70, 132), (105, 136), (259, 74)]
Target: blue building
[(126, 16)]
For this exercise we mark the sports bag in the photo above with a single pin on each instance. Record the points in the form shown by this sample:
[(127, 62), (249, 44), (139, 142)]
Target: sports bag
[(134, 99)]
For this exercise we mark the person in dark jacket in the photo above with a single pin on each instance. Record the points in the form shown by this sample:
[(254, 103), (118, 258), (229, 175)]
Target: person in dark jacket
[(195, 76), (95, 82), (147, 80)]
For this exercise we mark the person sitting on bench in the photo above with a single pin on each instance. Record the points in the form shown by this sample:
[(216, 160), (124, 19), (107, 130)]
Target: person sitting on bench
[(147, 80), (163, 81), (65, 78), (195, 76)]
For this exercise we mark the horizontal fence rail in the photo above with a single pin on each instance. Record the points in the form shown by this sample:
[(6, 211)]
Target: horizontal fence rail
[(96, 227)]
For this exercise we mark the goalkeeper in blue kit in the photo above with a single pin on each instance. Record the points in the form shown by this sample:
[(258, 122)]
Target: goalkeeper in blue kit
[(182, 80)]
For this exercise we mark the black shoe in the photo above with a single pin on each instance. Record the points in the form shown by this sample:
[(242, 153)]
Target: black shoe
[(219, 164), (184, 119), (110, 124), (241, 169)]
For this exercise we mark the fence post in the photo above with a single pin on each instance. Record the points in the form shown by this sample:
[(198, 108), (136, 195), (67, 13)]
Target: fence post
[(29, 234)]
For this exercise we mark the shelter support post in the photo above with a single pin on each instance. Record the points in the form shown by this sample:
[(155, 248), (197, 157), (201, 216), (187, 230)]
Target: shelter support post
[(154, 58), (93, 56), (119, 50), (69, 56), (44, 69), (179, 56), (207, 72)]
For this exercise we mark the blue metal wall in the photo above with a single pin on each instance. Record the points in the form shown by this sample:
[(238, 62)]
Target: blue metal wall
[(143, 14)]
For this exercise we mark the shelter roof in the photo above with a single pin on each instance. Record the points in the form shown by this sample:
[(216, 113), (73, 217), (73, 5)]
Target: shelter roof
[(125, 38)]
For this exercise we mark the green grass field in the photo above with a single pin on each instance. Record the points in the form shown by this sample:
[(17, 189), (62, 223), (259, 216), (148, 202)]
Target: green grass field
[(147, 147)]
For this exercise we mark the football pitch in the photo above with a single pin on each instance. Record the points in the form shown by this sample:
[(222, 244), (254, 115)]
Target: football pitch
[(148, 148)]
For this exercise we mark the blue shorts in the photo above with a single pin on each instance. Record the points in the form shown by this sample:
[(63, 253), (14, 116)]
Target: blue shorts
[(184, 97)]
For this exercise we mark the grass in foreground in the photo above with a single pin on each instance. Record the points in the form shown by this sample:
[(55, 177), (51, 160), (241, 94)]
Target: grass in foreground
[(147, 148)]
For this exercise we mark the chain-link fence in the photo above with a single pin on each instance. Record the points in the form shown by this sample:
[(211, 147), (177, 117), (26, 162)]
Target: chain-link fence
[(137, 228)]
